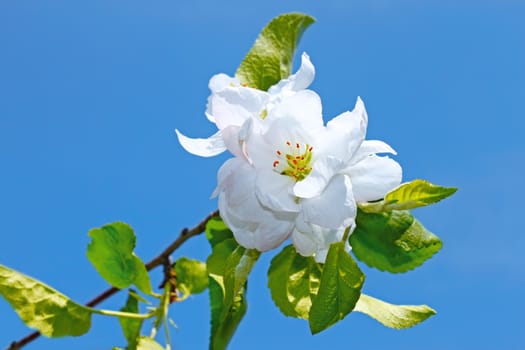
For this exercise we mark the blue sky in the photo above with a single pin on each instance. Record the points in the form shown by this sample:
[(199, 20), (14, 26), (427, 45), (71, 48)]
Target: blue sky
[(91, 92)]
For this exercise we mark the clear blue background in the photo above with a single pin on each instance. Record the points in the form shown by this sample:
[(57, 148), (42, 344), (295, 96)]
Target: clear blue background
[(91, 92)]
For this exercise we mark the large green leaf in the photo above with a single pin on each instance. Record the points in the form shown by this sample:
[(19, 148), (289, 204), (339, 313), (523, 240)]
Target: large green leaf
[(393, 316), (293, 281), (111, 252), (41, 307), (228, 268), (270, 58), (410, 195), (192, 276), (394, 241), (341, 283), (217, 231), (131, 326)]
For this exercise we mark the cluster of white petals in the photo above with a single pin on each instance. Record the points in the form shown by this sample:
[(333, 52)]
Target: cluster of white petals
[(292, 176)]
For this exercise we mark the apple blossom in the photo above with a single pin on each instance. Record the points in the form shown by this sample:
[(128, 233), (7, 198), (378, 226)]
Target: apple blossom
[(231, 104), (304, 177), (291, 174)]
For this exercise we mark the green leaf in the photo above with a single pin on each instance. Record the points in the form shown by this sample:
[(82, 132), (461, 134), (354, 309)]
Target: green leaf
[(41, 307), (393, 316), (111, 253), (146, 343), (394, 241), (192, 276), (270, 58), (228, 268), (130, 326), (293, 281), (341, 282), (414, 194), (217, 231)]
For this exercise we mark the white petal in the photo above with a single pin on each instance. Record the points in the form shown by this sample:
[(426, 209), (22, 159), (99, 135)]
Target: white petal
[(234, 105), (298, 81), (274, 191), (221, 81), (334, 208), (265, 233), (304, 106), (322, 172), (315, 241), (232, 140), (242, 229), (262, 149), (239, 190), (203, 147), (345, 133), (224, 175), (373, 177), (271, 233), (330, 236), (217, 83), (305, 243), (370, 147)]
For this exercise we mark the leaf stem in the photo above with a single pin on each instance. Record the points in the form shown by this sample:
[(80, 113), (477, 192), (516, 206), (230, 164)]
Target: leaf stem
[(122, 314), (184, 235)]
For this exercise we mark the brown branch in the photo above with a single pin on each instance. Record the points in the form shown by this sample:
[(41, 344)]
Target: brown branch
[(184, 235)]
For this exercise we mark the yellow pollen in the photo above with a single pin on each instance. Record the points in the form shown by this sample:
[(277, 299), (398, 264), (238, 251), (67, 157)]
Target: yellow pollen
[(294, 161)]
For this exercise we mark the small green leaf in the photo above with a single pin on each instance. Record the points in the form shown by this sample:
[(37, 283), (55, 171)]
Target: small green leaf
[(146, 343), (111, 253), (341, 283), (192, 276), (130, 326), (394, 241), (393, 316), (43, 308), (293, 281), (217, 231), (228, 268), (270, 58), (410, 195)]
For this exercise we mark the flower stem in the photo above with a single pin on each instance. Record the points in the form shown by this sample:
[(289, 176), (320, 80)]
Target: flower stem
[(347, 234)]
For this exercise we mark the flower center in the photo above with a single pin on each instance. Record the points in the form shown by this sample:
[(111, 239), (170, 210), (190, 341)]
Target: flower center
[(295, 161)]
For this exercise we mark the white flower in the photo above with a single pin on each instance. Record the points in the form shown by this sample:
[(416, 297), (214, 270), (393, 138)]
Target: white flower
[(231, 105), (291, 174), (316, 173)]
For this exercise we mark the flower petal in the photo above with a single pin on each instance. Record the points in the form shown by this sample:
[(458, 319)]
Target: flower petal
[(304, 106), (305, 243), (345, 133), (243, 230), (232, 140), (298, 81), (220, 81), (266, 233), (315, 183), (234, 105), (368, 148), (315, 241), (334, 208), (274, 191), (373, 177), (330, 236), (209, 147), (272, 232), (237, 180), (224, 175)]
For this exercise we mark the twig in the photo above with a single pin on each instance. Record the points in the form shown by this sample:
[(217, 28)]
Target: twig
[(184, 235)]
